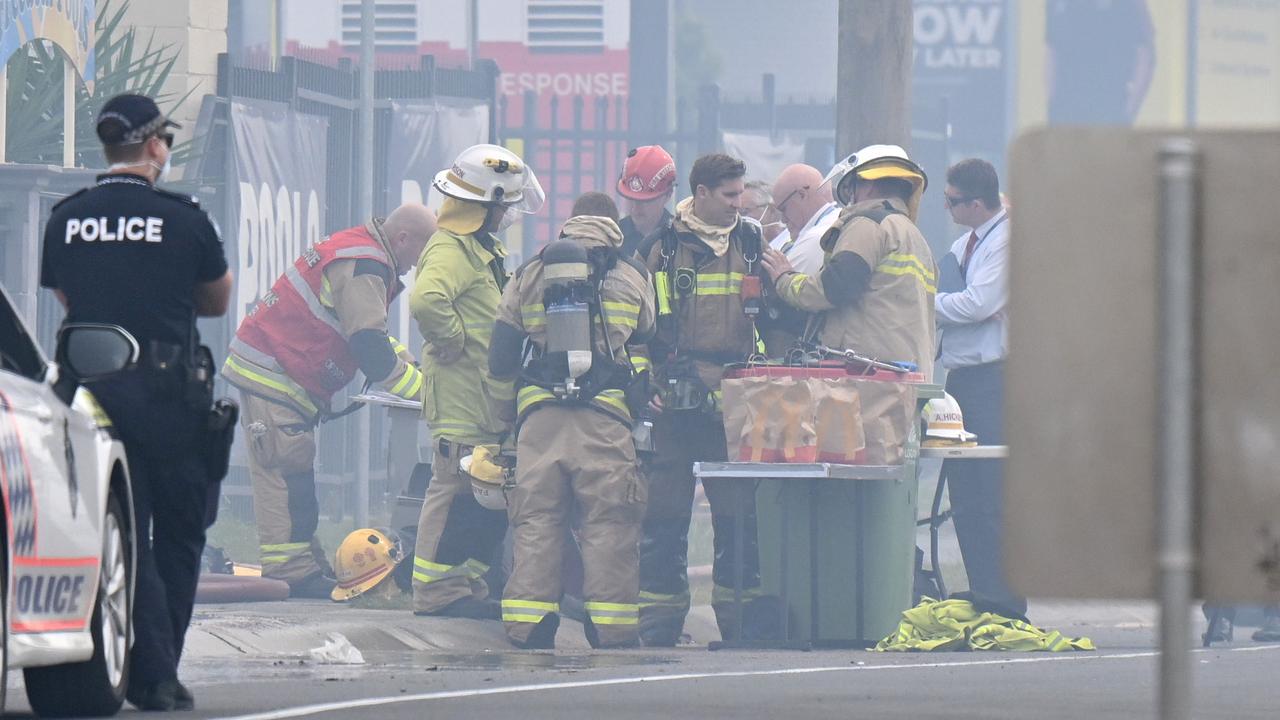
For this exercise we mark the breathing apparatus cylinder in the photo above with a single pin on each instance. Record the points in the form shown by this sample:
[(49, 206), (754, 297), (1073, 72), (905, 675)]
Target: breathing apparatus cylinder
[(566, 298)]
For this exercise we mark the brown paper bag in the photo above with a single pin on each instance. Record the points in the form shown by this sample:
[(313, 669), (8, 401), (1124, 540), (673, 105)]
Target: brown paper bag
[(888, 412), (838, 420), (769, 419)]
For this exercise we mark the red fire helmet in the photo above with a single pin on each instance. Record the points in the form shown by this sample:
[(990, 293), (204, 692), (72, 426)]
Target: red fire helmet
[(649, 172)]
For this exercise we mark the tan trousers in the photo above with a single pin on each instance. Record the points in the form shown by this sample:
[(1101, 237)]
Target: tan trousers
[(282, 453), (576, 460), (456, 536)]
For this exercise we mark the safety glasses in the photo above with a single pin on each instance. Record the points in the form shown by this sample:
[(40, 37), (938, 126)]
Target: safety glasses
[(782, 206)]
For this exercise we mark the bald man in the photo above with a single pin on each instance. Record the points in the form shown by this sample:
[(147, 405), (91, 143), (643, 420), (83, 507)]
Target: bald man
[(324, 319), (805, 207), (807, 210)]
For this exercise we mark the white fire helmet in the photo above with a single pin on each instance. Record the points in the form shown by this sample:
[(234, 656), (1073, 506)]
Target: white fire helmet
[(875, 162), (492, 174), (944, 424), (489, 475)]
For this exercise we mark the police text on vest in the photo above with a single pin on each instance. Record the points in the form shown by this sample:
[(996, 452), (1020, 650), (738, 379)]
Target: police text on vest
[(102, 229)]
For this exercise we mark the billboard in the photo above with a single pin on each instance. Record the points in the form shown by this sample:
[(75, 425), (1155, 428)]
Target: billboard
[(279, 160)]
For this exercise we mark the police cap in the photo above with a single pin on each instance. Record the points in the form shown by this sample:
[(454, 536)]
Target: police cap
[(129, 119)]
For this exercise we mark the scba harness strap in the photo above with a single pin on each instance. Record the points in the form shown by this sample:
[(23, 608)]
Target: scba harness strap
[(607, 380)]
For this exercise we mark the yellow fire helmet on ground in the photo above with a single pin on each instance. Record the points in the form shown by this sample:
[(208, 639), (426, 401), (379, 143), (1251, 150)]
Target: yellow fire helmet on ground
[(364, 559)]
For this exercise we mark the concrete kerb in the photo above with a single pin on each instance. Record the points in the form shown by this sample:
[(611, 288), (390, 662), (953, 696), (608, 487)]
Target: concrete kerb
[(291, 629)]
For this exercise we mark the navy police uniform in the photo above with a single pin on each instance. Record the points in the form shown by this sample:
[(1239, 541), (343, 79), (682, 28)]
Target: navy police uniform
[(127, 253)]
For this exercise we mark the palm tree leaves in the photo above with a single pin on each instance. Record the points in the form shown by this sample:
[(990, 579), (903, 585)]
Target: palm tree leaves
[(124, 64)]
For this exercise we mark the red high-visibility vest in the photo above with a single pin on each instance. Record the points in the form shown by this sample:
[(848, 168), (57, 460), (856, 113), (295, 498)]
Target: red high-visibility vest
[(292, 326)]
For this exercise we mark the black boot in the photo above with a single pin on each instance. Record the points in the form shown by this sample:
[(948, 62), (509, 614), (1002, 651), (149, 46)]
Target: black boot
[(543, 636), (1221, 630), (316, 585), (593, 639), (160, 697), (661, 631)]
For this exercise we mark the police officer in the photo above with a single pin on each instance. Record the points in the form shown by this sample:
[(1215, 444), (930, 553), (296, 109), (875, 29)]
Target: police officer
[(127, 253)]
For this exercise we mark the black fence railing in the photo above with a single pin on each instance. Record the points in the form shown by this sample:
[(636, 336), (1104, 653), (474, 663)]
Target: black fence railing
[(583, 147), (333, 92)]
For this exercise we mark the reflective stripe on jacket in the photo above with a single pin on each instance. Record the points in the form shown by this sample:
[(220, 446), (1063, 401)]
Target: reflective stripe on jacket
[(709, 320), (894, 318), (292, 345)]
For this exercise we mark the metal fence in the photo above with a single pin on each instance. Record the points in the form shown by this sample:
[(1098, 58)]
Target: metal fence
[(331, 92), (587, 151), (579, 144)]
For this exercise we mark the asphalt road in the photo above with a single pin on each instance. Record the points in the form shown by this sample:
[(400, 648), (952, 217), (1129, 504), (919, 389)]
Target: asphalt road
[(1235, 681)]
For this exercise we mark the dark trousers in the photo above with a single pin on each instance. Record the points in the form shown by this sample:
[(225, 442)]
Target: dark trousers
[(683, 438), (976, 488), (171, 502)]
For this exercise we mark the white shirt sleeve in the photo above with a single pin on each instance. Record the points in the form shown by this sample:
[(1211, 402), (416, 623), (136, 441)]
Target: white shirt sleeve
[(987, 292)]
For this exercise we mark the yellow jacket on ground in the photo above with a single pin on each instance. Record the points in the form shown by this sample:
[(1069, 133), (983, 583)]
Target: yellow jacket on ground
[(956, 625)]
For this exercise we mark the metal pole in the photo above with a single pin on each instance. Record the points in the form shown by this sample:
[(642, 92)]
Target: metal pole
[(281, 37), (4, 112), (473, 32), (1176, 468), (367, 60), (68, 114)]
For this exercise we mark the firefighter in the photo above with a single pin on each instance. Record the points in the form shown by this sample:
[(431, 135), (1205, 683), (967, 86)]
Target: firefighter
[(700, 265), (646, 185), (578, 303), (323, 319), (878, 280), (454, 301)]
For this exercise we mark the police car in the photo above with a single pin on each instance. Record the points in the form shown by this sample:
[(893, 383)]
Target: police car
[(66, 561)]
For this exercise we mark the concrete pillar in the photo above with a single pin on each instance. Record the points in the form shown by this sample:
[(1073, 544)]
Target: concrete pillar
[(197, 31)]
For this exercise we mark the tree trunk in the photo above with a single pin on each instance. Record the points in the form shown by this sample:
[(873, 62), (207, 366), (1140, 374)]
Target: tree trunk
[(873, 93)]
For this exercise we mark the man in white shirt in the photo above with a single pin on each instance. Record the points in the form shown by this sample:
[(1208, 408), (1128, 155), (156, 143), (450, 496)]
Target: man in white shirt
[(807, 210), (804, 205), (972, 315)]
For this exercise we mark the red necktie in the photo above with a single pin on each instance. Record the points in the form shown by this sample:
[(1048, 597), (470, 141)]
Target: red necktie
[(968, 249)]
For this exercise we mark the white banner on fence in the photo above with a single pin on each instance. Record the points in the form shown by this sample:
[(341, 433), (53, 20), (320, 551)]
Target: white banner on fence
[(279, 163), (765, 157), (425, 139)]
